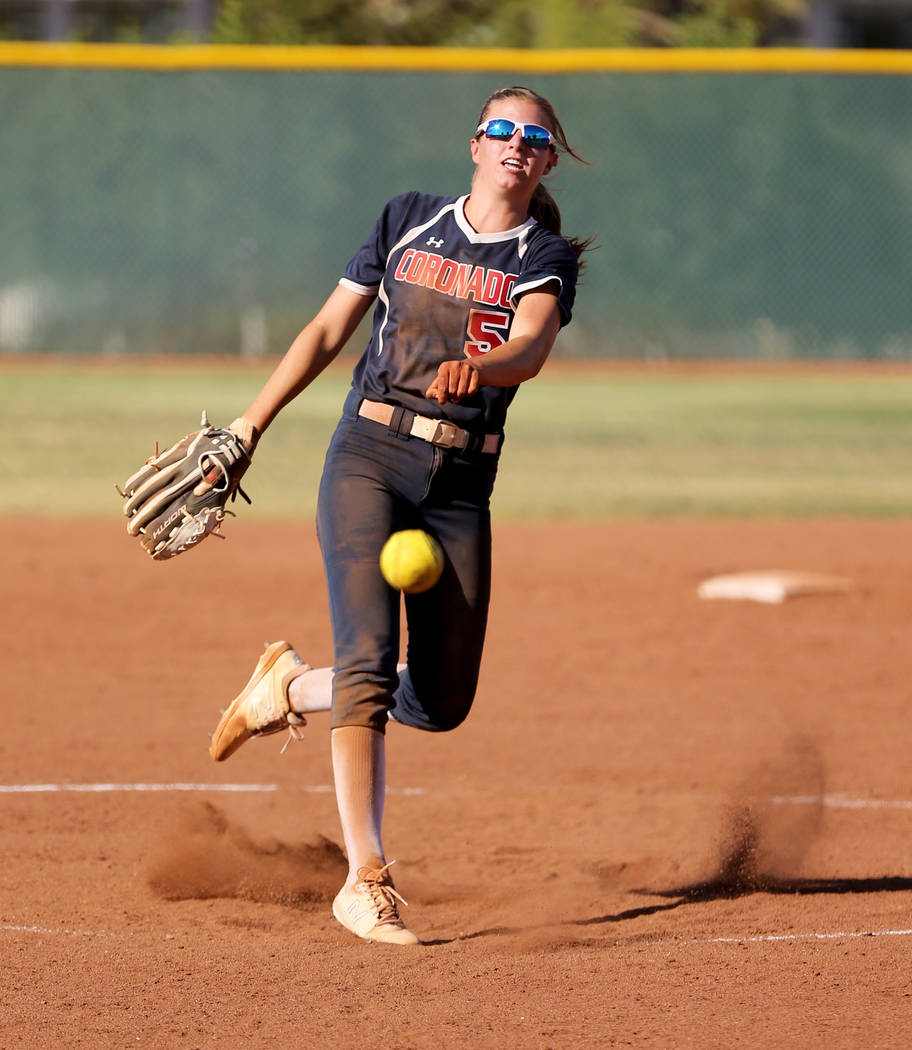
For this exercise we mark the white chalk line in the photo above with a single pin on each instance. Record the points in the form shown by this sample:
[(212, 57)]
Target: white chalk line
[(762, 938), (9, 928), (39, 789), (839, 801), (758, 938), (774, 938), (320, 789), (830, 800)]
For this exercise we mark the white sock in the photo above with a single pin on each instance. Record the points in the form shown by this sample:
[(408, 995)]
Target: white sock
[(312, 691), (359, 771)]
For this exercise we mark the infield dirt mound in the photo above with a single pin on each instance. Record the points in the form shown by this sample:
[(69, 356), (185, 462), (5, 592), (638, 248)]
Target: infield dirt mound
[(666, 820)]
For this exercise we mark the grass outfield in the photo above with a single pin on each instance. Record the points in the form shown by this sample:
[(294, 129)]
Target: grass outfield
[(581, 442)]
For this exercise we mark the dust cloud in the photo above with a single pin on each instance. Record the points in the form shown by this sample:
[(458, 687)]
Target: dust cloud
[(208, 856), (773, 820)]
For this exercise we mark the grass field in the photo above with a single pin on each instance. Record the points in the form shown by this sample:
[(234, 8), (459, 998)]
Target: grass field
[(581, 443)]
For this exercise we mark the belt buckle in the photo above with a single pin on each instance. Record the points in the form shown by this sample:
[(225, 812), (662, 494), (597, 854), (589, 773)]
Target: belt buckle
[(445, 434)]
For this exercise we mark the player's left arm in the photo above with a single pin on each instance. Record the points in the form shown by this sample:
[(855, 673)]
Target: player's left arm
[(535, 326)]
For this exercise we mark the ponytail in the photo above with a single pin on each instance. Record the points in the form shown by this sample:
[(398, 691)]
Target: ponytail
[(543, 208)]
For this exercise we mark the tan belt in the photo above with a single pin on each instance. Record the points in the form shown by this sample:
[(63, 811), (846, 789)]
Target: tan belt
[(437, 431)]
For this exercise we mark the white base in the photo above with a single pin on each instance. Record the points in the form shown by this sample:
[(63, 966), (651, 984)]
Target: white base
[(772, 586)]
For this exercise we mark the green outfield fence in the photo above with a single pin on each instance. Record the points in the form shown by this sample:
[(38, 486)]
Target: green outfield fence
[(745, 204)]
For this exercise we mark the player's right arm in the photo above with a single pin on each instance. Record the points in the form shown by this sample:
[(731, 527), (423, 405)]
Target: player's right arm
[(532, 335), (313, 349)]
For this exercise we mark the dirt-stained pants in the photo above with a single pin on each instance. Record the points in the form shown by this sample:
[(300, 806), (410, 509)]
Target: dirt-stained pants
[(377, 480)]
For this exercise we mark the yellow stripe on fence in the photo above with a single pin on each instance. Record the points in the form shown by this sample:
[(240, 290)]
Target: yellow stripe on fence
[(460, 60)]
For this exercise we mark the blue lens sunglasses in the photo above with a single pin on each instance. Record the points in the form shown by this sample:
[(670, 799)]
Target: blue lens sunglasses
[(533, 135)]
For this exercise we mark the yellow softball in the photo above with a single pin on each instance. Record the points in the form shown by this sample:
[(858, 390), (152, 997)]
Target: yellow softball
[(411, 561)]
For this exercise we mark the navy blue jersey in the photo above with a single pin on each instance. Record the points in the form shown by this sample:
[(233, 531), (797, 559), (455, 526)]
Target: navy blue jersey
[(445, 291)]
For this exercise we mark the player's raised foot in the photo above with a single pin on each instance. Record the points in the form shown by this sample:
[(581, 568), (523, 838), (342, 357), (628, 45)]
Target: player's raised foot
[(262, 705), (370, 908)]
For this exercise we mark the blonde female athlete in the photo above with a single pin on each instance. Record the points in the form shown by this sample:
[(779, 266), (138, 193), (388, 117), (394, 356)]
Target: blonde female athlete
[(470, 294)]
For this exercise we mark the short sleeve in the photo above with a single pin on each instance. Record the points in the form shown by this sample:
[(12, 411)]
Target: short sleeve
[(365, 271), (549, 259)]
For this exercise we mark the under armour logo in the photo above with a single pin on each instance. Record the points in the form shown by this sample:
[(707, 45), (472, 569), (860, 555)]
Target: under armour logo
[(433, 243)]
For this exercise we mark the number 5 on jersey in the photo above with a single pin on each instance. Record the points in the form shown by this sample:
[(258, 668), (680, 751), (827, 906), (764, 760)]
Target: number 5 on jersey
[(486, 330)]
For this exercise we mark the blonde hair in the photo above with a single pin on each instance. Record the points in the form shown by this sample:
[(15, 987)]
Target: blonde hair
[(543, 207)]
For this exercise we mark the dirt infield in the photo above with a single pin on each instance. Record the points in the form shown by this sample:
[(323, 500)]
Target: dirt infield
[(668, 821)]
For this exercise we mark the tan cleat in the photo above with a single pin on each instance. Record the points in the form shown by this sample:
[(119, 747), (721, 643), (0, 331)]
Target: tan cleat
[(262, 705), (369, 909)]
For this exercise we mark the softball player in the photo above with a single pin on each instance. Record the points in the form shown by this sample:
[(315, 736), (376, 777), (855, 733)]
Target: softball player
[(470, 294)]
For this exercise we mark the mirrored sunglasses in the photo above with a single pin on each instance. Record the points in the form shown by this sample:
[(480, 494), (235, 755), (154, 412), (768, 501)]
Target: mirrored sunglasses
[(533, 135)]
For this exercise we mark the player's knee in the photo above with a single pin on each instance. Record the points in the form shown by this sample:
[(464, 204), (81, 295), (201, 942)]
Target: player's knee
[(436, 711), (450, 720)]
